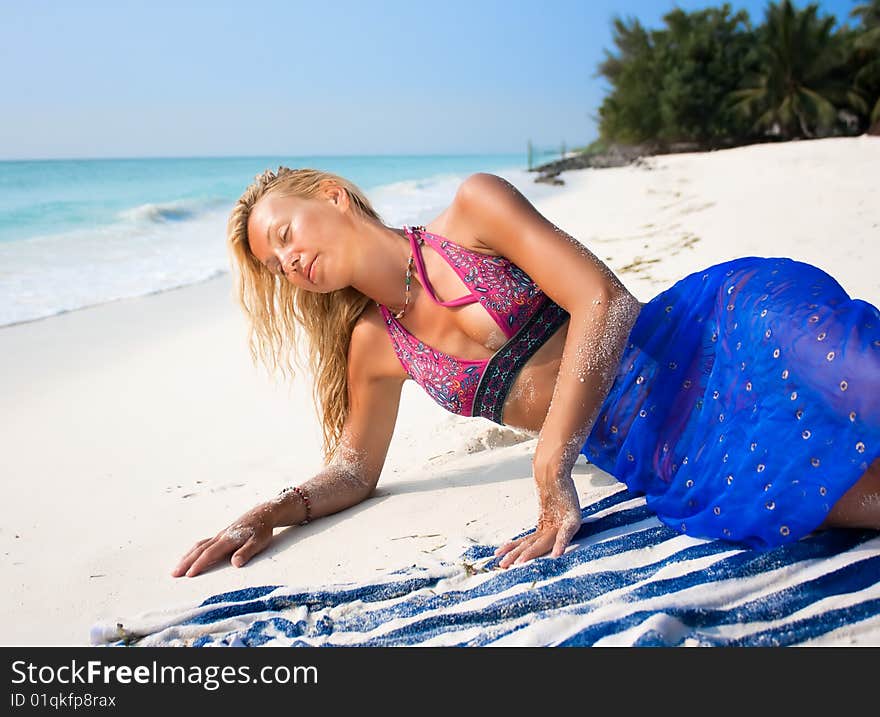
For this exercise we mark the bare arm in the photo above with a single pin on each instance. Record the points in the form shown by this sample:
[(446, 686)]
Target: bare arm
[(602, 314), (351, 477), (374, 400)]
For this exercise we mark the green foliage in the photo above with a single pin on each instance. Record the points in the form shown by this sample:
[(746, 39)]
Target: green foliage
[(797, 89), (630, 114), (670, 84), (709, 78), (864, 60), (595, 147), (705, 54)]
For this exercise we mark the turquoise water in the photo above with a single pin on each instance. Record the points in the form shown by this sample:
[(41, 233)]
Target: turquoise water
[(74, 233)]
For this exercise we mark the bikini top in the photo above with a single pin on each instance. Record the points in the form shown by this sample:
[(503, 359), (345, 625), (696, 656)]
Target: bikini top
[(526, 315)]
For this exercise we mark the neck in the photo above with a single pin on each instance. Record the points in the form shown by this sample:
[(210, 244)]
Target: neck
[(381, 257)]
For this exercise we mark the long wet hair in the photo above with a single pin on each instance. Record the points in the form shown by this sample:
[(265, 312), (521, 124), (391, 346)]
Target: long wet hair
[(275, 309)]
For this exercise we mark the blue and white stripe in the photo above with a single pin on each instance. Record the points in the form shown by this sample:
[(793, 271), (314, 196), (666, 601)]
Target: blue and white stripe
[(627, 580)]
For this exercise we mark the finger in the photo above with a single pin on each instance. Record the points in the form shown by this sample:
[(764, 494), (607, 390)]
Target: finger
[(209, 556), (196, 548), (512, 556), (187, 560), (563, 538), (538, 547), (245, 552), (510, 544), (507, 547)]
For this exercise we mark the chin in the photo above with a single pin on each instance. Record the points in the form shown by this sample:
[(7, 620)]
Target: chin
[(322, 288)]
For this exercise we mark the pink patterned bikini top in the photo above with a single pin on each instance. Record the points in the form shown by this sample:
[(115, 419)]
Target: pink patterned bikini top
[(526, 315)]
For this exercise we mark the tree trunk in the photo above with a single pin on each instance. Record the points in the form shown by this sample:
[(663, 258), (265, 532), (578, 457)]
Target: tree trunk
[(804, 129)]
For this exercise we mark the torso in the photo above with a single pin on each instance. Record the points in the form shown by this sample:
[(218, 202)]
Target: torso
[(469, 332)]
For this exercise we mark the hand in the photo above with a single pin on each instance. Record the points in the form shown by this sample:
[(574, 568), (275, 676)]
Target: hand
[(248, 535), (559, 520)]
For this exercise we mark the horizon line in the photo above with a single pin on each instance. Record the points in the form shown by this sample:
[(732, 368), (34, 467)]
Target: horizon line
[(263, 156)]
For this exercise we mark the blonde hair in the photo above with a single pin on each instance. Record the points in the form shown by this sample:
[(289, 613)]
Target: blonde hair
[(274, 307)]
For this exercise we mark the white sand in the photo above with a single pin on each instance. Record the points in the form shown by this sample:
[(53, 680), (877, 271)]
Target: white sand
[(132, 429)]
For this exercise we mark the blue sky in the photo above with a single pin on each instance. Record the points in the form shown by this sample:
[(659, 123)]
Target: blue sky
[(185, 78)]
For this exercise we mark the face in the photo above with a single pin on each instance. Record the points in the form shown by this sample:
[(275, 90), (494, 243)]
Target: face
[(294, 237)]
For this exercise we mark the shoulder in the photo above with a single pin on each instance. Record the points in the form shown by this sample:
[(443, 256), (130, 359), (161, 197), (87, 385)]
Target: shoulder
[(482, 201), (371, 355), (477, 196), (458, 223), (482, 197), (479, 181), (481, 187), (504, 220)]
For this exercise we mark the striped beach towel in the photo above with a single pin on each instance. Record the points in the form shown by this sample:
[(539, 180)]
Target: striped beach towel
[(626, 580)]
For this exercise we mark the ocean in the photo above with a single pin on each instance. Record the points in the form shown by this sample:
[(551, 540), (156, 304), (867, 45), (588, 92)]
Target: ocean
[(81, 232)]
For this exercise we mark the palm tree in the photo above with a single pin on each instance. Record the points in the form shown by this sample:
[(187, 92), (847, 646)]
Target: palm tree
[(868, 45), (795, 91), (869, 13)]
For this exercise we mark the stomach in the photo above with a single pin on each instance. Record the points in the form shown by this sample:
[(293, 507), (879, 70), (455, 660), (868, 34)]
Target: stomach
[(528, 400)]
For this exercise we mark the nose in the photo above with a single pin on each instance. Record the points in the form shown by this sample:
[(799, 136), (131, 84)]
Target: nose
[(288, 260)]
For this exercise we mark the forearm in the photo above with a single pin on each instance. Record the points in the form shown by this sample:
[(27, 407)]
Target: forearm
[(334, 488), (593, 349)]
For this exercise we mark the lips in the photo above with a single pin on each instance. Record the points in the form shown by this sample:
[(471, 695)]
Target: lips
[(309, 270)]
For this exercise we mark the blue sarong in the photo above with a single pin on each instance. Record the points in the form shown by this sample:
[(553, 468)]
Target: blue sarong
[(747, 401)]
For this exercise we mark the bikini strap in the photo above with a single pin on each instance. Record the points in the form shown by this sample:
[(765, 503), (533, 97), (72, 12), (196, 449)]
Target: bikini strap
[(415, 244)]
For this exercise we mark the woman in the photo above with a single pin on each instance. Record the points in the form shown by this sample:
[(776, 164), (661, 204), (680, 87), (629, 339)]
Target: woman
[(744, 401)]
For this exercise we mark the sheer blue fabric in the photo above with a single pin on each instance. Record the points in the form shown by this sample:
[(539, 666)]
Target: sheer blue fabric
[(747, 401)]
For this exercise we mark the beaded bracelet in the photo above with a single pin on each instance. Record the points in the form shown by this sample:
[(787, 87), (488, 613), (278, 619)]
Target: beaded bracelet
[(305, 499)]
